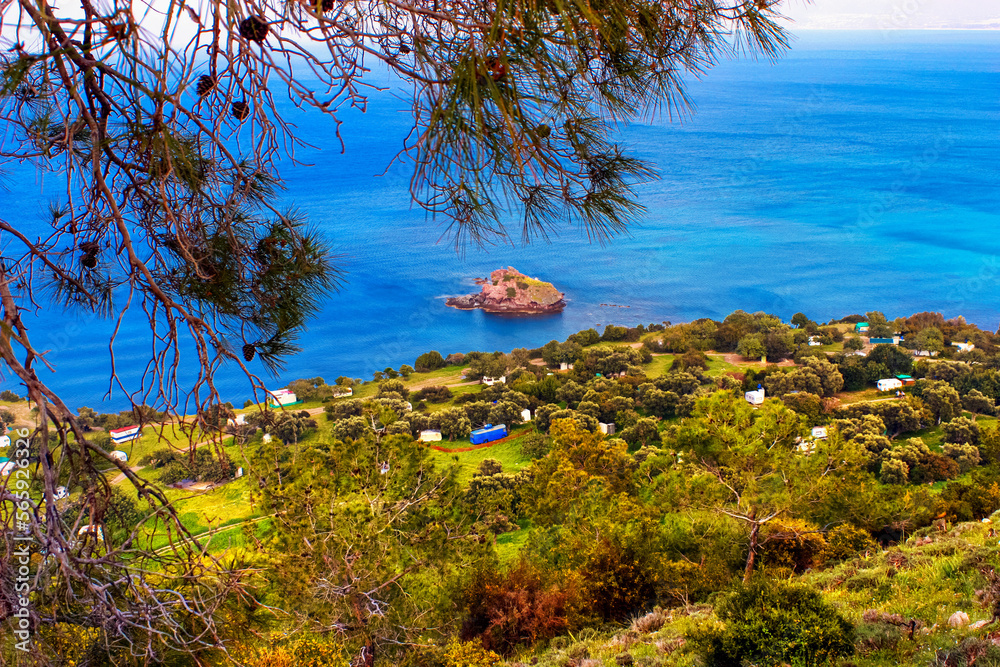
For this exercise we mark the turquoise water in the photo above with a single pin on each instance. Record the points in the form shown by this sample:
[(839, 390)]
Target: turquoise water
[(859, 172)]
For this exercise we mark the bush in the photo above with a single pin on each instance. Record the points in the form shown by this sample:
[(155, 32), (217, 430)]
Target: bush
[(469, 654), (506, 609), (429, 361), (846, 541), (9, 397), (437, 394), (535, 445), (771, 622)]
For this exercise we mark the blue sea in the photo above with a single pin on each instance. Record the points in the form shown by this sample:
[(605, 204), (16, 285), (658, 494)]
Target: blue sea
[(859, 172)]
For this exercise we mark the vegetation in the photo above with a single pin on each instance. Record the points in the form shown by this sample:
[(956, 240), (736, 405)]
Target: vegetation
[(530, 547)]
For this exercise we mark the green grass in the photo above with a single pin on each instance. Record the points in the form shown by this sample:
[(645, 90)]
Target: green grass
[(509, 545), (659, 366), (719, 366), (507, 452), (448, 373)]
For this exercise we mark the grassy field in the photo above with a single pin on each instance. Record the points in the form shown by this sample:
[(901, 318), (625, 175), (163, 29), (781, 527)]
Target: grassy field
[(659, 366), (507, 452)]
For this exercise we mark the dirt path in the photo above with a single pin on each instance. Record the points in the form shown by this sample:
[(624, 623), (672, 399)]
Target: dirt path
[(737, 360)]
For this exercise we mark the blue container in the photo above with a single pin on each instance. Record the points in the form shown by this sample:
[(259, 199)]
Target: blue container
[(489, 433)]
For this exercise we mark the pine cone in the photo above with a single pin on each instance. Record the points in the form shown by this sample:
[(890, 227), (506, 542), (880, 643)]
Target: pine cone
[(89, 261), (327, 5), (254, 28), (248, 352), (205, 85), (241, 110)]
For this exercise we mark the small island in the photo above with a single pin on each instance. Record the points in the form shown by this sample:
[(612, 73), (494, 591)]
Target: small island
[(510, 291)]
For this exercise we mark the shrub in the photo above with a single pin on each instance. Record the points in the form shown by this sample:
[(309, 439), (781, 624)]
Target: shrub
[(771, 622), (436, 394), (9, 397), (535, 445), (469, 654), (506, 609), (429, 361), (792, 544), (846, 541)]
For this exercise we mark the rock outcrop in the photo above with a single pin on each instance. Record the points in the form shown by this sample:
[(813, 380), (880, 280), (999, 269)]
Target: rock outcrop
[(510, 291)]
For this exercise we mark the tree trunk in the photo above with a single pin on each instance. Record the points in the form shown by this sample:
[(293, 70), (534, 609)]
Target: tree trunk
[(752, 556)]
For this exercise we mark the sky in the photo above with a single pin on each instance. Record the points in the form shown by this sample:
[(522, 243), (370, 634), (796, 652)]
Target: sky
[(893, 14)]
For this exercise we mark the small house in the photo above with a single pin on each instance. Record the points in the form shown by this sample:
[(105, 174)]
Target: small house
[(889, 384), (60, 493), (4, 441), (924, 353), (861, 327), (565, 367), (526, 415), (964, 347), (120, 435), (267, 437), (119, 455), (814, 341), (755, 397), (806, 447), (240, 420), (430, 435), (488, 433), (282, 397), (6, 466), (489, 382), (819, 432), (606, 429), (906, 380), (239, 472)]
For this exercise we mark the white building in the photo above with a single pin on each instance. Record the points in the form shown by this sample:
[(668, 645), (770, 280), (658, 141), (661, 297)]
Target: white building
[(267, 437), (606, 429), (924, 353), (6, 467), (565, 367), (119, 455), (430, 435), (819, 432), (281, 397), (240, 420), (4, 441), (120, 435), (814, 341), (964, 347), (889, 384), (489, 382), (755, 397), (526, 415)]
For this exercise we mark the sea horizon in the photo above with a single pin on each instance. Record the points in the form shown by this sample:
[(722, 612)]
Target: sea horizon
[(855, 173)]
